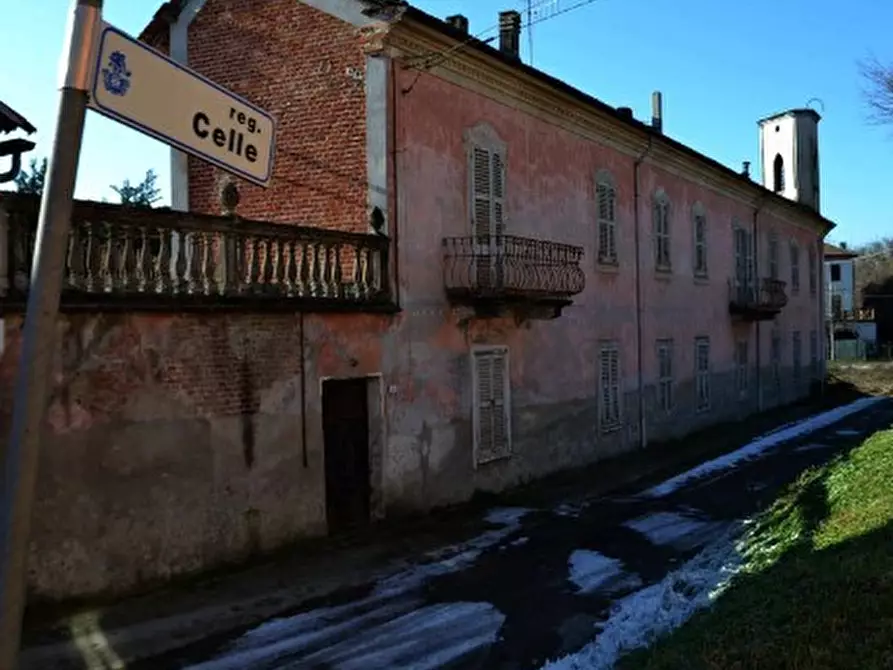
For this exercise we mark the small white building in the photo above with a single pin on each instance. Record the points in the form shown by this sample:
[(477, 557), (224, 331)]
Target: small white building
[(840, 278), (853, 329)]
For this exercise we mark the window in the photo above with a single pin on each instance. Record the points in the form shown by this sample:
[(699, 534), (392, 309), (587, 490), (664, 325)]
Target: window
[(836, 306), (702, 373), (795, 268), (835, 271), (796, 354), (814, 354), (488, 189), (665, 375), (662, 259), (778, 174), (742, 376), (700, 251), (606, 197), (491, 417), (609, 381), (743, 240), (813, 274), (773, 256), (775, 359)]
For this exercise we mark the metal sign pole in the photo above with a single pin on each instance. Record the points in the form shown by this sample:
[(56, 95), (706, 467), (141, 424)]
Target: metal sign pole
[(39, 332)]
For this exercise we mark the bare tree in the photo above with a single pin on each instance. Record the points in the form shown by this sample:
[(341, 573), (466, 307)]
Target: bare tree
[(878, 91)]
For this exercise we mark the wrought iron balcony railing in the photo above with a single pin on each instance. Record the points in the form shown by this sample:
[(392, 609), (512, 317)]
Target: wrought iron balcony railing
[(143, 258), (758, 299), (506, 267)]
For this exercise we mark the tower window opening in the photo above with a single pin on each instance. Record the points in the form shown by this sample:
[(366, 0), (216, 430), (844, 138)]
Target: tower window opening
[(778, 174)]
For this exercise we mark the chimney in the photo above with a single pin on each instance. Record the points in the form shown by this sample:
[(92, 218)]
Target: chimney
[(657, 111), (510, 33), (458, 22), (746, 169), (625, 112)]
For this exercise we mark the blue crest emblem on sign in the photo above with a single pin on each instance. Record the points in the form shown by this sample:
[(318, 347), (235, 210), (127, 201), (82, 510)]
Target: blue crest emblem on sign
[(116, 76)]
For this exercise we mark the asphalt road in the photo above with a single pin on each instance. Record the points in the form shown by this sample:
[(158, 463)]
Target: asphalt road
[(533, 588)]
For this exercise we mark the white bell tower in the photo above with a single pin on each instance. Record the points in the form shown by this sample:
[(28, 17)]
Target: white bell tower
[(789, 155)]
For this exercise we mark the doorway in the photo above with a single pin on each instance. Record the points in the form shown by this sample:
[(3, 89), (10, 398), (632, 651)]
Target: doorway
[(345, 411)]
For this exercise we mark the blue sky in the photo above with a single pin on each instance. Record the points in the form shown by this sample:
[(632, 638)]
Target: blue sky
[(721, 66)]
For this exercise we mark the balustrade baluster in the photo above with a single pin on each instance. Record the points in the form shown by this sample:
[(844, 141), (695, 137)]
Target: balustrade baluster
[(74, 258), (337, 289), (162, 270), (141, 269), (364, 273), (287, 263), (305, 281)]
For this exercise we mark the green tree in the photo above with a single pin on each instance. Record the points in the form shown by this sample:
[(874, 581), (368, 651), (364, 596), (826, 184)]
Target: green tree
[(144, 194), (32, 181)]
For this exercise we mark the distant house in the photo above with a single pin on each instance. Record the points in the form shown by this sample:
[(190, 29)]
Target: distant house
[(11, 121), (854, 329)]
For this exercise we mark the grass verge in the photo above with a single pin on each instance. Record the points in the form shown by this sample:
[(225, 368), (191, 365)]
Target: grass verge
[(817, 591)]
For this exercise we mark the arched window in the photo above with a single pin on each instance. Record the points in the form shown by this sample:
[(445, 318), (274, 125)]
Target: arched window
[(778, 174)]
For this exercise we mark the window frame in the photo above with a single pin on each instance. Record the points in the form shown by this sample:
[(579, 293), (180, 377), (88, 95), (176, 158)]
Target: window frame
[(702, 375), (665, 379), (794, 251), (610, 398), (742, 366), (478, 352), (661, 232), (700, 247), (797, 355), (606, 228)]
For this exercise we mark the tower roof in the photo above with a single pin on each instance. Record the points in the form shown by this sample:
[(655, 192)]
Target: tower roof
[(799, 111)]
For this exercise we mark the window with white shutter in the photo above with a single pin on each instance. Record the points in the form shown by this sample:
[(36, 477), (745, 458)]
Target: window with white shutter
[(702, 373), (773, 255), (609, 387), (487, 174), (742, 369), (813, 271), (661, 222), (492, 412), (606, 199), (665, 375), (699, 223), (814, 353)]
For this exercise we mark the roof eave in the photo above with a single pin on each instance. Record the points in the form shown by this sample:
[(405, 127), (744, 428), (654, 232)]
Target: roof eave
[(430, 21)]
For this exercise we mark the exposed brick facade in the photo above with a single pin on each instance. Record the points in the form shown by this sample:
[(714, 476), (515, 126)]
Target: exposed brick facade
[(307, 70)]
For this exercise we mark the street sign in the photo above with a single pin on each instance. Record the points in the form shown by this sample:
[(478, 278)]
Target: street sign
[(142, 88)]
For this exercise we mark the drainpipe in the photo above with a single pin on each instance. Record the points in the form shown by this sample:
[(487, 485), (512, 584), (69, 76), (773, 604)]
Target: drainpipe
[(821, 325), (395, 218), (641, 380), (756, 272)]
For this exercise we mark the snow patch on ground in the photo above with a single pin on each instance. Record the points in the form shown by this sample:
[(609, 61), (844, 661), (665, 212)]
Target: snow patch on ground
[(643, 616), (847, 432), (815, 446), (455, 557), (590, 570), (676, 530), (391, 628), (568, 510), (758, 446)]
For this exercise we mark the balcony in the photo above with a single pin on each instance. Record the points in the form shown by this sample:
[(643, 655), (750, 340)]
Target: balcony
[(537, 278), (127, 259), (760, 300)]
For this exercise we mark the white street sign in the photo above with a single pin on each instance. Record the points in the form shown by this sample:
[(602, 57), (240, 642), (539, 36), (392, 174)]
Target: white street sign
[(142, 88)]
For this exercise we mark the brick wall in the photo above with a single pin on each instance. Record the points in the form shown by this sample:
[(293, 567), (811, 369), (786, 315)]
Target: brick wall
[(174, 442), (307, 70)]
